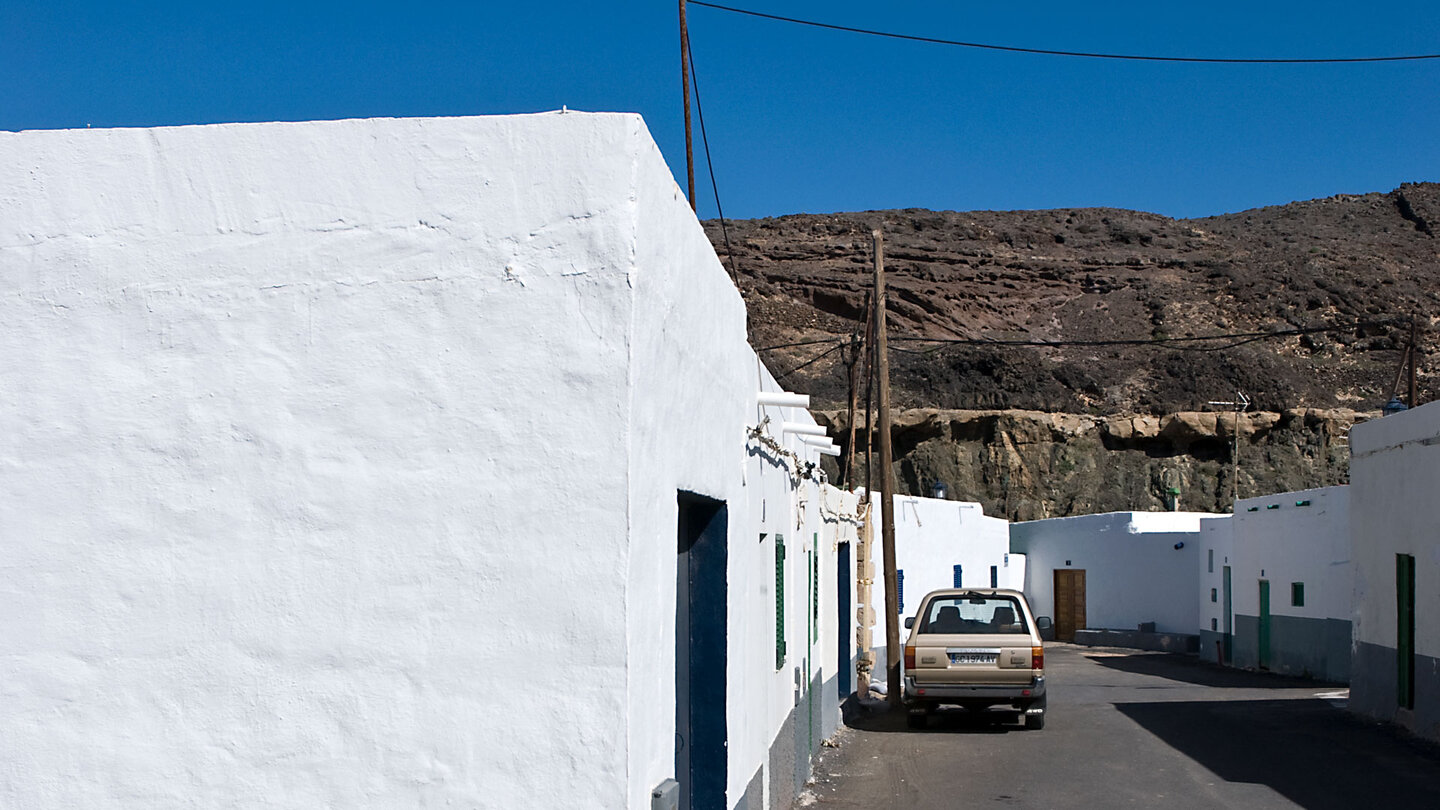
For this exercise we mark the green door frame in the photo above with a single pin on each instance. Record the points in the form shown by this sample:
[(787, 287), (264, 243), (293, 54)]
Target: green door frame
[(1405, 630)]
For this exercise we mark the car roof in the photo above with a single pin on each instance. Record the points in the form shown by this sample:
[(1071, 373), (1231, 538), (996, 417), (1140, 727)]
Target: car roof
[(981, 591)]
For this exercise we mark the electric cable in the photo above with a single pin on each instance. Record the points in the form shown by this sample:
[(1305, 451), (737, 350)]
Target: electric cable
[(812, 361), (705, 139), (1083, 54)]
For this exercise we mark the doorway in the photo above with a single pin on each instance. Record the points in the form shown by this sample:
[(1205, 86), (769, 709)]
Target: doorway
[(1263, 654), (1069, 602), (700, 642), (845, 623), (1405, 630)]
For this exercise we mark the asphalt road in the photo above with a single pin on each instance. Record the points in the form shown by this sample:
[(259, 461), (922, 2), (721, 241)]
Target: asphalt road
[(1135, 729)]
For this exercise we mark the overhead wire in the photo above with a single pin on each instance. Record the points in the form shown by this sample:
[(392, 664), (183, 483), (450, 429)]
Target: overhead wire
[(1055, 52), (705, 139)]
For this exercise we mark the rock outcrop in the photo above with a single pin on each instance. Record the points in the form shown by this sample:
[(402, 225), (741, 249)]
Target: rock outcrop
[(1026, 465), (1114, 413)]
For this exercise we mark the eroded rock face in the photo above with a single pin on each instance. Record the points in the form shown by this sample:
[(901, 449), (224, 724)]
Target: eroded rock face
[(1027, 465), (1112, 419)]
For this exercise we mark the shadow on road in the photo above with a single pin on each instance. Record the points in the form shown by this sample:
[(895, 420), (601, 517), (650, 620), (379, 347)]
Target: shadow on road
[(875, 715), (1189, 669), (1306, 750)]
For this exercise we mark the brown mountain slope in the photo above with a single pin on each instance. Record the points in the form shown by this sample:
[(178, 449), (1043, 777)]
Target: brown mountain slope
[(1102, 275)]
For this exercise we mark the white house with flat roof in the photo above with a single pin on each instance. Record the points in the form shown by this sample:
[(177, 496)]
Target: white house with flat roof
[(1394, 512), (1278, 575), (396, 462), (1113, 571)]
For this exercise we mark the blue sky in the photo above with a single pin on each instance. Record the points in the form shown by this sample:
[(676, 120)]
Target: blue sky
[(800, 119)]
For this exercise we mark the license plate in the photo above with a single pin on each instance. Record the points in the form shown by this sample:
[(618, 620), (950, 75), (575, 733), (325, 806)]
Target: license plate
[(973, 658)]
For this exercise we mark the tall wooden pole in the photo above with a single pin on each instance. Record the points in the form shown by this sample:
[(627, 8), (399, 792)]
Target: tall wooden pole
[(685, 91), (887, 486), (854, 403)]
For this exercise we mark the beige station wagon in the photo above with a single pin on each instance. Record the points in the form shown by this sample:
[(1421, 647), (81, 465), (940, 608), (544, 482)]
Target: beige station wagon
[(975, 648)]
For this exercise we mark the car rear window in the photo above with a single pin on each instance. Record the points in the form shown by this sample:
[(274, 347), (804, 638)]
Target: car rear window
[(973, 614)]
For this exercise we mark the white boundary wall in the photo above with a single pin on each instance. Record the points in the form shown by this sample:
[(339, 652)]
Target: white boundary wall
[(932, 536), (341, 464), (1134, 573)]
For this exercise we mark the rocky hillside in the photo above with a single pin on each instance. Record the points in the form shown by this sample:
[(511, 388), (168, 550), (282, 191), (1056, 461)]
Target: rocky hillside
[(1122, 294)]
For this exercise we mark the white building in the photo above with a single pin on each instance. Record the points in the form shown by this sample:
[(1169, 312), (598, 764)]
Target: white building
[(940, 544), (1113, 571), (1394, 478), (1278, 574), (376, 463)]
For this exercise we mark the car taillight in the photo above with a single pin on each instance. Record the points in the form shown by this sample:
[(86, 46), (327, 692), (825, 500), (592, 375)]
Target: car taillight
[(909, 657), (1037, 657)]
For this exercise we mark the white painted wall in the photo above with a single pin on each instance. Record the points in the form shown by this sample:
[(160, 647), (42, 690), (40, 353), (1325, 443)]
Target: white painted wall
[(1394, 478), (932, 536), (1133, 571), (1217, 550), (1292, 543), (315, 431)]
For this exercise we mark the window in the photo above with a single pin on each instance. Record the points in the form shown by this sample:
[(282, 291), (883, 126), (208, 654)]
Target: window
[(975, 614), (957, 577), (779, 601), (1297, 594), (900, 591), (1211, 563), (1214, 595), (815, 591), (1214, 624), (994, 576)]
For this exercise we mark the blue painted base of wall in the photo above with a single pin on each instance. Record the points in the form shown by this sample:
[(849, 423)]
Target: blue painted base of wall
[(1374, 688), (1309, 648)]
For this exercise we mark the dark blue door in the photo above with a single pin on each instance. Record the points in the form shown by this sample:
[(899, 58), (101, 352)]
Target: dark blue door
[(845, 624), (700, 761)]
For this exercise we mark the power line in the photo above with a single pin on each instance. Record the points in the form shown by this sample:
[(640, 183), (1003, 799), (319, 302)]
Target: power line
[(705, 139), (1051, 52), (1241, 338)]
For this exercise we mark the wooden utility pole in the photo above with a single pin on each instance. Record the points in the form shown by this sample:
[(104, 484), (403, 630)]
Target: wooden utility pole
[(685, 91), (887, 486), (854, 403)]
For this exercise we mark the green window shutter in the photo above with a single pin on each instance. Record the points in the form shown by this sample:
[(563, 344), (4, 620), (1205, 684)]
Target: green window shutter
[(815, 592), (779, 601)]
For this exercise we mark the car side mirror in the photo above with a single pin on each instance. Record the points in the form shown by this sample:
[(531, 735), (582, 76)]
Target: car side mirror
[(909, 622), (1043, 622)]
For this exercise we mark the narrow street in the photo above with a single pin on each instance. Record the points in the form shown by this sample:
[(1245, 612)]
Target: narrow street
[(1136, 729)]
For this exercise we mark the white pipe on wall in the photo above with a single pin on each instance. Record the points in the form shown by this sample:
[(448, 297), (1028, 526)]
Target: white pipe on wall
[(832, 450), (783, 399), (803, 430), (816, 440)]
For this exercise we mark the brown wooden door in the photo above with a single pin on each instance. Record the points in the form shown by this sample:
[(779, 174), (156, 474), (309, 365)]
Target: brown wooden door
[(1069, 602)]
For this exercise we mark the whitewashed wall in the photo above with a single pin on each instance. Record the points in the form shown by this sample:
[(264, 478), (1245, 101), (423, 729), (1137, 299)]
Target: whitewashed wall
[(1217, 550), (1134, 573), (932, 536), (1394, 478), (315, 432), (1281, 541)]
